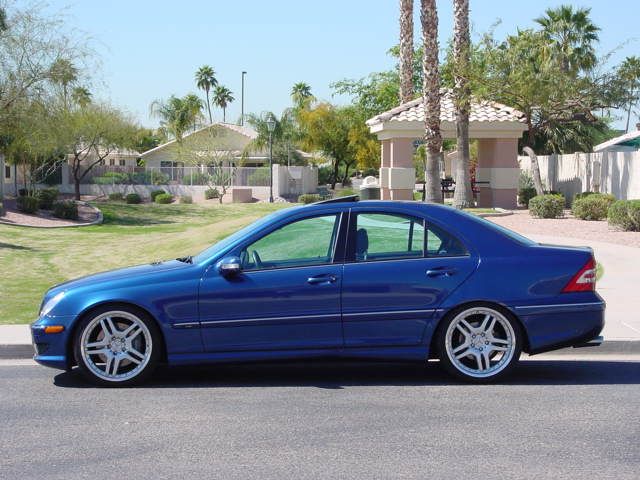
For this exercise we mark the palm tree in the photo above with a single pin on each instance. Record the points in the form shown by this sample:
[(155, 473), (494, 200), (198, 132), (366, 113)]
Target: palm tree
[(463, 196), (81, 96), (3, 19), (571, 35), (64, 73), (193, 105), (206, 80), (222, 97), (301, 94), (431, 100), (177, 115), (406, 50), (629, 75)]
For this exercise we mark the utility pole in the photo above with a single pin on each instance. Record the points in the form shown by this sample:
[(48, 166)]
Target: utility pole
[(242, 100)]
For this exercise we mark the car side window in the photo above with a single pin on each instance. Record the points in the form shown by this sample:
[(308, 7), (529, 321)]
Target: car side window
[(383, 236), (443, 244), (310, 241)]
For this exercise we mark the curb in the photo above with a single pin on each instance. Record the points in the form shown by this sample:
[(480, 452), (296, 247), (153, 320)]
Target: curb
[(612, 347)]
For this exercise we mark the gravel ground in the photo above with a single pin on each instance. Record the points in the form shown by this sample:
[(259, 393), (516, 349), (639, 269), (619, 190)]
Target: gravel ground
[(86, 214), (522, 222)]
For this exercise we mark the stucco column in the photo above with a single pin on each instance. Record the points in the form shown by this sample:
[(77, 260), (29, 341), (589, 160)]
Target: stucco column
[(397, 175), (498, 165)]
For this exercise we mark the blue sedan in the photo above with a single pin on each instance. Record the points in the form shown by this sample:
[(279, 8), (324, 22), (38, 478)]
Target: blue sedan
[(340, 278)]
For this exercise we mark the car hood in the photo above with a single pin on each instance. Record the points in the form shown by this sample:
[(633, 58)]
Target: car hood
[(118, 274)]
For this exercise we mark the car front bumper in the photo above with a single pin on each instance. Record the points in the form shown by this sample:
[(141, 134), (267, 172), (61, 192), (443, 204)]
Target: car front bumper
[(51, 348)]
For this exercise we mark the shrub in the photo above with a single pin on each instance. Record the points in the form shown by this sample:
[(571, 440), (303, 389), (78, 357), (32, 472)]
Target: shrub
[(308, 198), (155, 193), (66, 209), (112, 178), (259, 177), (625, 214), (46, 198), (582, 195), (133, 198), (116, 197), (525, 194), (186, 199), (593, 206), (163, 198), (210, 193), (149, 177), (196, 178), (324, 175), (27, 204), (547, 206), (345, 192), (23, 192)]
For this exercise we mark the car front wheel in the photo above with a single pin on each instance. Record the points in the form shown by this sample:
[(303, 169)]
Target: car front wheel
[(117, 346), (479, 344)]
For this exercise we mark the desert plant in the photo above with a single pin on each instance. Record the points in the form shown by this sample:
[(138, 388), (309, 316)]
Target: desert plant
[(186, 199), (163, 198), (67, 209), (116, 197), (46, 198), (27, 204), (625, 214), (210, 193), (309, 198), (547, 206), (525, 194), (155, 193), (593, 206), (133, 198)]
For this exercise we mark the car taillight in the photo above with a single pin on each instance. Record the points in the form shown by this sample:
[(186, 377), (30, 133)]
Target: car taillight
[(584, 280)]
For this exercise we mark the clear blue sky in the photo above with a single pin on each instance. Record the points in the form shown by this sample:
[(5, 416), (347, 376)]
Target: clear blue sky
[(151, 49)]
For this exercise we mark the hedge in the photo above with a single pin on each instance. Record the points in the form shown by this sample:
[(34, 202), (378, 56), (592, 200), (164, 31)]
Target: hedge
[(210, 193), (625, 214), (155, 193), (163, 198), (525, 195), (133, 198), (309, 198), (547, 206), (46, 198), (116, 197), (27, 204), (66, 209), (592, 206)]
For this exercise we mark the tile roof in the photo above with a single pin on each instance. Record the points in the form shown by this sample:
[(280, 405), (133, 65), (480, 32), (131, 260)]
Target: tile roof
[(481, 111)]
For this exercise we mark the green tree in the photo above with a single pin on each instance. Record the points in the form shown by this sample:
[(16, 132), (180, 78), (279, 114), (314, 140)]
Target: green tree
[(222, 97), (81, 96), (286, 136), (301, 94), (629, 78), (63, 73), (206, 80), (570, 35), (177, 115)]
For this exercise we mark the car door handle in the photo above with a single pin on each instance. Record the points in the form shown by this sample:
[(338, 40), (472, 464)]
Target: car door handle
[(319, 279), (441, 272)]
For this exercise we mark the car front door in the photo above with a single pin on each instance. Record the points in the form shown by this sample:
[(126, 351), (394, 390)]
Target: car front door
[(287, 295), (399, 268)]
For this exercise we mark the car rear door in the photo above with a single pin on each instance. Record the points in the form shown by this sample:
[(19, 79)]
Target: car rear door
[(398, 270)]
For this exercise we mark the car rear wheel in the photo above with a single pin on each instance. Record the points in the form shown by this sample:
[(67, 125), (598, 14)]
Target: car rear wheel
[(117, 346), (479, 344)]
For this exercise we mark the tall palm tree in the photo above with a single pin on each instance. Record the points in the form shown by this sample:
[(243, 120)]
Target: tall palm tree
[(193, 105), (571, 36), (206, 80), (63, 73), (81, 96), (222, 97), (301, 94), (463, 196), (431, 100), (406, 50), (177, 114)]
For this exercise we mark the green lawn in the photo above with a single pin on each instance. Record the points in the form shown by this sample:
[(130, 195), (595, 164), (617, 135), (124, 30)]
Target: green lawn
[(34, 259)]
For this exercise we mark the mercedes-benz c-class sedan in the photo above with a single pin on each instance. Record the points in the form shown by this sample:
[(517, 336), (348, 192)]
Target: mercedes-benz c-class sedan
[(342, 278)]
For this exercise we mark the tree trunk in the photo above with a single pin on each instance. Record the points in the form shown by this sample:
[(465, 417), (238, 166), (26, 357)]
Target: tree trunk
[(535, 170), (463, 196), (76, 188), (406, 50), (224, 115), (209, 107), (334, 177), (2, 184), (431, 99)]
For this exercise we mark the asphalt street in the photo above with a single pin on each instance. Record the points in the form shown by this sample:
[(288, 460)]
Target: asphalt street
[(560, 417)]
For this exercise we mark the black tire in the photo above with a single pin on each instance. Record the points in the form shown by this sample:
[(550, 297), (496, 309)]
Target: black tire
[(457, 368), (153, 341)]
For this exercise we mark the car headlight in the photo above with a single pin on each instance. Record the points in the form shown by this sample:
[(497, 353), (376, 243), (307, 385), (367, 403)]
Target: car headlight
[(52, 302)]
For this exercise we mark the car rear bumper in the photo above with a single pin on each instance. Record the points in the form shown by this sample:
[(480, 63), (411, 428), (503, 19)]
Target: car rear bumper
[(551, 327)]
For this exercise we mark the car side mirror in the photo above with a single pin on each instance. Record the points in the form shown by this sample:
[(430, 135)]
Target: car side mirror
[(229, 266)]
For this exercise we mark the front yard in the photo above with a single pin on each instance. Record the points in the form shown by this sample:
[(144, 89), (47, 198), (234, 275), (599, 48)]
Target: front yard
[(34, 259)]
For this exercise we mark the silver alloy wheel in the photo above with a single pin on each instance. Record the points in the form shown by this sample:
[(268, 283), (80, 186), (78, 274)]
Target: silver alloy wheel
[(480, 342), (116, 346)]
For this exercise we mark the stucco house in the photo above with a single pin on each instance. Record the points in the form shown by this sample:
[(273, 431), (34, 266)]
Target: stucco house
[(629, 142)]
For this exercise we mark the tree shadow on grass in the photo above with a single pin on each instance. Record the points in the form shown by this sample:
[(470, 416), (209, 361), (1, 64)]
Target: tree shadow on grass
[(12, 246), (111, 219), (342, 374)]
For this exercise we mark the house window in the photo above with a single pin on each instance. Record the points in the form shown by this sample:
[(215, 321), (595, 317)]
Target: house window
[(121, 162), (112, 161), (7, 171)]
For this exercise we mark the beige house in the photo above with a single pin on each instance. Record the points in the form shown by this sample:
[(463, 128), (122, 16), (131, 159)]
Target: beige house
[(117, 158), (496, 127)]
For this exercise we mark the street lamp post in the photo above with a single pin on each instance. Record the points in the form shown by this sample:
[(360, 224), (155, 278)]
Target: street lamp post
[(271, 126), (242, 100)]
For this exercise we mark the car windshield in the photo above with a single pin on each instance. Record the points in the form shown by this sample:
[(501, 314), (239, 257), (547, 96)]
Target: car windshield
[(500, 229), (216, 248)]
